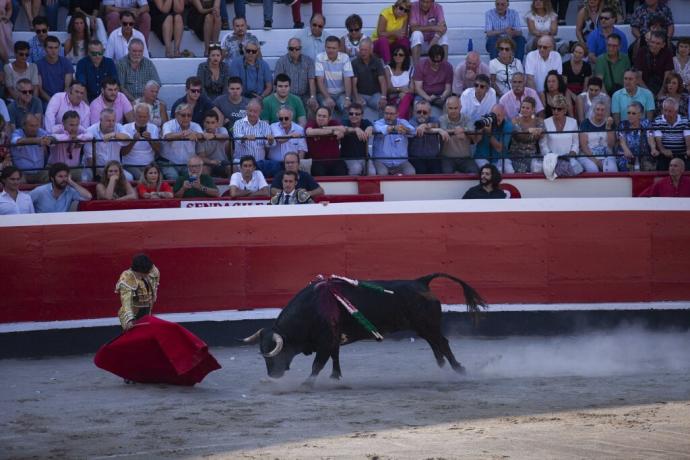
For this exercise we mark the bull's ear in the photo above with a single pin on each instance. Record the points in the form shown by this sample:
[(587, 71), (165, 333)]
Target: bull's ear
[(252, 338)]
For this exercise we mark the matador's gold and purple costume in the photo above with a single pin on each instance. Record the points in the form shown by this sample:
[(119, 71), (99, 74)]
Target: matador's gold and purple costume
[(137, 295)]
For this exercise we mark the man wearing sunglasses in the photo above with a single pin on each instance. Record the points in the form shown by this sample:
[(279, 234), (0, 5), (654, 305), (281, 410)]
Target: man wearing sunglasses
[(314, 38), (478, 101), (254, 72), (37, 43), (118, 41), (139, 9), (24, 105), (428, 27), (596, 40), (300, 69), (199, 103), (539, 62), (289, 137), (503, 22), (93, 68), (425, 147)]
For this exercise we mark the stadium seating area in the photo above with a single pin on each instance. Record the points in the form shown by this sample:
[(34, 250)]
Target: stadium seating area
[(465, 20)]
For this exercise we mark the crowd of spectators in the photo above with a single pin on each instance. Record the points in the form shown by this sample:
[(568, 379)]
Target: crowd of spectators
[(351, 105)]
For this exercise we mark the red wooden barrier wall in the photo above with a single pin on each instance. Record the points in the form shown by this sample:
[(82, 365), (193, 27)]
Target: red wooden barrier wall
[(59, 272)]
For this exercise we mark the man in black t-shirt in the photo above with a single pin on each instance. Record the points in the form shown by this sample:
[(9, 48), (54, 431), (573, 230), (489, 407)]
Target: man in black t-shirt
[(489, 180)]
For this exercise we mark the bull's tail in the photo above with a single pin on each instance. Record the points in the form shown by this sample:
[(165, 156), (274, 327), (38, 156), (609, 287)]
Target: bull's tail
[(474, 301)]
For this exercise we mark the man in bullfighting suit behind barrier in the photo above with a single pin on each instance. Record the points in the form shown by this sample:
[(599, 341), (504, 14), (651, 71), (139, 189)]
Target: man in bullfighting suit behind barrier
[(151, 350)]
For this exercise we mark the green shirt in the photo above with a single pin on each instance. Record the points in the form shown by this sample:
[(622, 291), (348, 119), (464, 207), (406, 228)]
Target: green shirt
[(618, 68), (206, 181), (272, 105)]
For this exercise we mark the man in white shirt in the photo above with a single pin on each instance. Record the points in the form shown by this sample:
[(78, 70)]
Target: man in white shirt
[(183, 133), (248, 181), (539, 62), (106, 130), (139, 9), (12, 200), (136, 155), (118, 41), (477, 102)]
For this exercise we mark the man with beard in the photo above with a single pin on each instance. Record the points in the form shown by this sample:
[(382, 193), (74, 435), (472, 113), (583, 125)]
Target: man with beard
[(60, 193), (489, 180), (112, 98)]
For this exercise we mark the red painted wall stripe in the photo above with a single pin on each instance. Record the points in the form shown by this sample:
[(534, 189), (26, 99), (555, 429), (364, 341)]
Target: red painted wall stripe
[(61, 272)]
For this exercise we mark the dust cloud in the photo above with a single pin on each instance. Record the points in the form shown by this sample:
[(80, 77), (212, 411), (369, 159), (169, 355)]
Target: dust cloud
[(626, 350)]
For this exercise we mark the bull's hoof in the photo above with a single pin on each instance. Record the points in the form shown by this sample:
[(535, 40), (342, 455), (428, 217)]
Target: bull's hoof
[(335, 376), (460, 369), (309, 383)]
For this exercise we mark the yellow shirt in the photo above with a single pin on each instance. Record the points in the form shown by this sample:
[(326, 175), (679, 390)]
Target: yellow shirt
[(392, 23)]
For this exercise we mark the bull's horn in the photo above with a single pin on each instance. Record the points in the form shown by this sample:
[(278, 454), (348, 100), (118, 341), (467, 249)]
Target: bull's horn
[(279, 346), (252, 338)]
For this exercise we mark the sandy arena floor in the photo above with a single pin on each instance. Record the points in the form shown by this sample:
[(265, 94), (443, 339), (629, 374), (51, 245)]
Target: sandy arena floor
[(623, 394)]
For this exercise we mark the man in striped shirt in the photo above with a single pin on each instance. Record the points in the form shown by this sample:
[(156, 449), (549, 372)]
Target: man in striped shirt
[(245, 133), (334, 76), (672, 136)]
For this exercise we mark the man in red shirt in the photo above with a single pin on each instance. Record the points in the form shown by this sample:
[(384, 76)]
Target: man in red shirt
[(673, 186)]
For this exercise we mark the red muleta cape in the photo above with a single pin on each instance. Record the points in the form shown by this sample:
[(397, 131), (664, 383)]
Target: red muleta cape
[(157, 351)]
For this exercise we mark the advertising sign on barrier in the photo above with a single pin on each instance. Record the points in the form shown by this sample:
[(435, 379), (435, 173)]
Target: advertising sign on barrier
[(221, 203)]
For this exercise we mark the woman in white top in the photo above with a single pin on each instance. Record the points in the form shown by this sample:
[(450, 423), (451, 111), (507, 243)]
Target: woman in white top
[(504, 66), (399, 80), (12, 201), (541, 20), (563, 144), (597, 139), (349, 43)]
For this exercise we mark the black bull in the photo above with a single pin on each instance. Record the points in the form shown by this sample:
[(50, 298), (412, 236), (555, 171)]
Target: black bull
[(302, 326)]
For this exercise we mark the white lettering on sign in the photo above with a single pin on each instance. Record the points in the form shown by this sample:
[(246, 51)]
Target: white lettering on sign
[(221, 203)]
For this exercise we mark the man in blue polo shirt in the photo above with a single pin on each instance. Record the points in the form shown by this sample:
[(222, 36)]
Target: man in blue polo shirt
[(596, 40), (60, 193), (93, 68)]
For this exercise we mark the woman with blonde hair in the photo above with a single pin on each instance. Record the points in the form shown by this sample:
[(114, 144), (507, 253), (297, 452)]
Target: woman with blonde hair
[(541, 20), (392, 29), (114, 184)]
